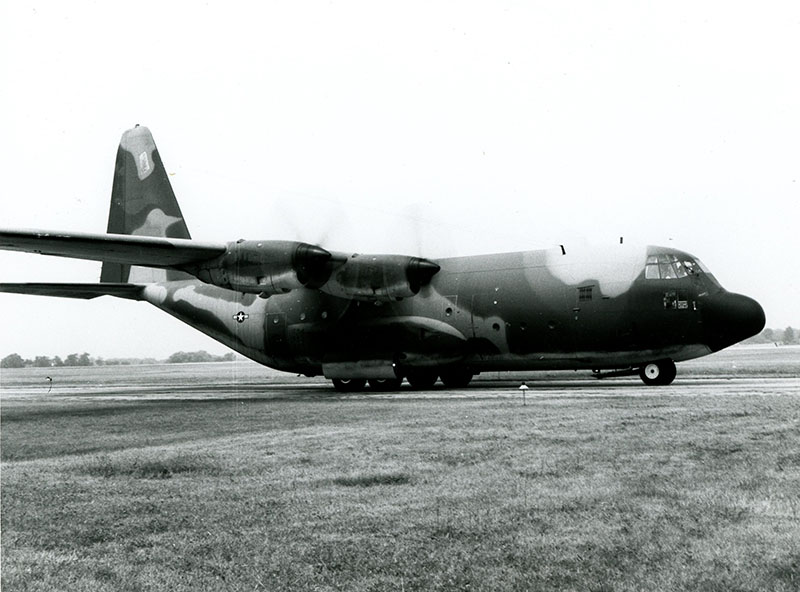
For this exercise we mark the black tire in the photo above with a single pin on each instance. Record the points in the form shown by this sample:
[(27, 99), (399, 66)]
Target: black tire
[(659, 373), (422, 379), (456, 377), (349, 385), (385, 384)]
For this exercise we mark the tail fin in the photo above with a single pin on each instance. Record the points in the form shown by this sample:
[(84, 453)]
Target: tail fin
[(142, 204)]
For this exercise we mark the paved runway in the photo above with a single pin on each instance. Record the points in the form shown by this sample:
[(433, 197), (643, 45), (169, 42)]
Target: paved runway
[(297, 388), (743, 370)]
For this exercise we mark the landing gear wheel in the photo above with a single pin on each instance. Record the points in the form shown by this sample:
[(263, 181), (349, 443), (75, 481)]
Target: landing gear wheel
[(421, 379), (456, 377), (659, 373), (385, 384), (349, 385)]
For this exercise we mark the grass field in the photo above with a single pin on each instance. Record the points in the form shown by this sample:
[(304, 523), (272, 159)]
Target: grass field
[(629, 489)]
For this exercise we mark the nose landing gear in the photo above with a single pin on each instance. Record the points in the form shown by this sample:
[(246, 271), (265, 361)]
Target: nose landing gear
[(659, 373)]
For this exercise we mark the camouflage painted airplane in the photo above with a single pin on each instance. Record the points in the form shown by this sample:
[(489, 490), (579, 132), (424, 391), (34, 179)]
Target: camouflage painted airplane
[(356, 318)]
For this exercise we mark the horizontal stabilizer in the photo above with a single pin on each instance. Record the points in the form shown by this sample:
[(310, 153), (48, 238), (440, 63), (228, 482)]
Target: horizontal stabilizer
[(117, 248), (84, 291)]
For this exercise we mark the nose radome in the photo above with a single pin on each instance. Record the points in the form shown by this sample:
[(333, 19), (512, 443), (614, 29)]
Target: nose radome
[(730, 318)]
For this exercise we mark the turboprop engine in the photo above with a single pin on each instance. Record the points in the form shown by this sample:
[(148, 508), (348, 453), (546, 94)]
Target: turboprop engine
[(265, 267), (380, 278), (276, 267)]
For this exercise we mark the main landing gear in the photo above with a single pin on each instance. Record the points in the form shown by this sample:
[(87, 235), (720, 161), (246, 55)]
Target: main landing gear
[(349, 385), (418, 378)]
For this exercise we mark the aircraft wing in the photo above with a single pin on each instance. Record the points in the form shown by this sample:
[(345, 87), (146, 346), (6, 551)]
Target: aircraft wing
[(133, 250), (257, 267), (84, 291)]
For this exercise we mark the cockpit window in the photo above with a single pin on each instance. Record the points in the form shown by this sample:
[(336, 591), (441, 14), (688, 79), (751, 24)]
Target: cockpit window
[(702, 266), (669, 267), (667, 270), (651, 271)]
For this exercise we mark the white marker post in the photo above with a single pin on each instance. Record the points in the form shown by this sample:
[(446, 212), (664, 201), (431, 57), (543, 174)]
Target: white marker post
[(523, 387)]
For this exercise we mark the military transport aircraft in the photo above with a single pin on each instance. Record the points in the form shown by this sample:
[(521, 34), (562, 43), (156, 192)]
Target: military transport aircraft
[(358, 318)]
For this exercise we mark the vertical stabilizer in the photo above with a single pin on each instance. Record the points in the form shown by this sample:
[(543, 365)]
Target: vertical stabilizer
[(142, 204)]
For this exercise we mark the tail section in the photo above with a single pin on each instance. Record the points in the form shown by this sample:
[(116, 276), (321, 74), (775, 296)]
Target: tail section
[(142, 204)]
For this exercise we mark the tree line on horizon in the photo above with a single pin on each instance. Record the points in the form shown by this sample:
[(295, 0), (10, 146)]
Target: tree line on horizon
[(77, 360), (787, 336)]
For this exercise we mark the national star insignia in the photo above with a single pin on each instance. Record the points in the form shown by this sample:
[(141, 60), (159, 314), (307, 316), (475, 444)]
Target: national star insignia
[(241, 316)]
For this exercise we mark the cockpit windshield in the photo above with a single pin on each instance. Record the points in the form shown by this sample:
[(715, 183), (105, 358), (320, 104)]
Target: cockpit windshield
[(669, 267)]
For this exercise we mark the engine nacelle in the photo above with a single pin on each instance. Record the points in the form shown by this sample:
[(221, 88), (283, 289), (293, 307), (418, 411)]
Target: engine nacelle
[(265, 267), (380, 278)]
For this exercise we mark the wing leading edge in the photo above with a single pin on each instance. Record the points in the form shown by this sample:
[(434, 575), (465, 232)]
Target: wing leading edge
[(132, 250), (117, 248)]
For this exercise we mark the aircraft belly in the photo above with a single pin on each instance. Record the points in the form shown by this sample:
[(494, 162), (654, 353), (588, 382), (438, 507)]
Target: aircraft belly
[(586, 360)]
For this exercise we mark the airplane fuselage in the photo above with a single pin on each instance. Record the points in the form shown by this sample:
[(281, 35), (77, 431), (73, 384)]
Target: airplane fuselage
[(534, 310)]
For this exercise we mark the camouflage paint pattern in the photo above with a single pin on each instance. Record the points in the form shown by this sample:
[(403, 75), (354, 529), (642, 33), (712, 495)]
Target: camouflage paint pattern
[(142, 204), (493, 312)]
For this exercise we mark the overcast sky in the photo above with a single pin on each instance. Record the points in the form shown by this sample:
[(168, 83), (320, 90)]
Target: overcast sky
[(426, 128)]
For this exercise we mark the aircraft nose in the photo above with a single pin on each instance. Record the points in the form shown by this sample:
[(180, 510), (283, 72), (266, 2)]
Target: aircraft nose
[(730, 318)]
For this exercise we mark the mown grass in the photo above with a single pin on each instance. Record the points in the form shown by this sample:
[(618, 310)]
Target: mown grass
[(580, 493)]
